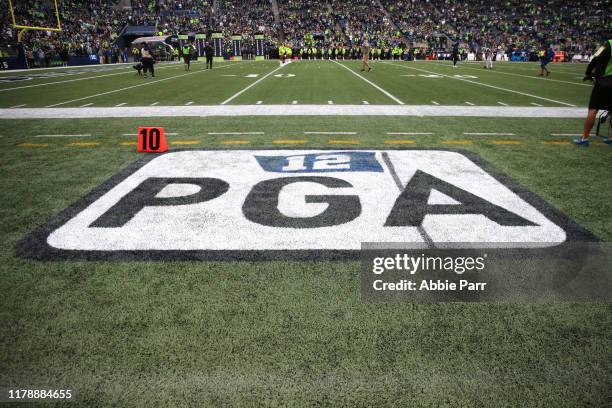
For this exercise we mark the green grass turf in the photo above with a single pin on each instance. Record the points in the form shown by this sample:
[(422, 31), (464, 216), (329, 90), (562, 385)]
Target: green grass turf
[(314, 82), (287, 333)]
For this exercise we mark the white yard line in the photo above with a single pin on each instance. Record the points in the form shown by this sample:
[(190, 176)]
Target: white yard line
[(17, 106), (487, 134), (154, 104), (535, 104), (330, 133), (502, 104), (189, 103), (237, 94), (409, 133), (136, 134), (86, 105), (371, 83), (469, 103), (294, 110), (435, 103), (83, 135), (487, 85), (259, 102), (130, 87), (365, 102), (120, 104), (235, 133)]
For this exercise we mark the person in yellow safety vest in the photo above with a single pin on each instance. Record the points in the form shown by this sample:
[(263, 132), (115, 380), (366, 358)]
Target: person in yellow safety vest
[(301, 53), (289, 52), (187, 48), (315, 51), (281, 53), (309, 51), (136, 54), (343, 52), (175, 54)]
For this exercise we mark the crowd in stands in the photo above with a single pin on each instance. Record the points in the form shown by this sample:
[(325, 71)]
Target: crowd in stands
[(91, 26)]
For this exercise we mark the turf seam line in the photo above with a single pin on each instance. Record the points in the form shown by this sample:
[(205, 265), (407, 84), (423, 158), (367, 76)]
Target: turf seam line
[(400, 186)]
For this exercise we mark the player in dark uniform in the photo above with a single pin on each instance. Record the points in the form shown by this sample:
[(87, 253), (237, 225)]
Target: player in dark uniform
[(208, 51), (600, 70), (455, 54)]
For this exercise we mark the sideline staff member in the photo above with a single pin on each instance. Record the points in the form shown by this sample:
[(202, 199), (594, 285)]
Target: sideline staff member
[(187, 48), (599, 69)]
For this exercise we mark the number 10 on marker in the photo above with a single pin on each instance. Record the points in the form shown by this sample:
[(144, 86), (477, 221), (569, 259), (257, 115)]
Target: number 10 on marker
[(152, 140)]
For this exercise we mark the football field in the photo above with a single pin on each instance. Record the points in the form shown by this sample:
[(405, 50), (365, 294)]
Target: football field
[(128, 319)]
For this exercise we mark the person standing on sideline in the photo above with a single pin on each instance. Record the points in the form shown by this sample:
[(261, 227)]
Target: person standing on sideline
[(208, 51), (187, 48), (366, 55), (600, 70)]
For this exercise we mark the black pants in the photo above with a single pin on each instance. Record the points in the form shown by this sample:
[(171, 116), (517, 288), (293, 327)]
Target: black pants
[(209, 61), (147, 65), (455, 59)]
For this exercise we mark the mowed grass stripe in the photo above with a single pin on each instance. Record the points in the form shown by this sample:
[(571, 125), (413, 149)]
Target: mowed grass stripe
[(133, 86), (499, 88)]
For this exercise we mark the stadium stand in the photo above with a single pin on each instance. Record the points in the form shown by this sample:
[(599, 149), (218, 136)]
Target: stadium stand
[(91, 27)]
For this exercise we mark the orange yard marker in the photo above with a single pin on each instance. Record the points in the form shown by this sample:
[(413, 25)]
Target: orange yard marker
[(152, 140)]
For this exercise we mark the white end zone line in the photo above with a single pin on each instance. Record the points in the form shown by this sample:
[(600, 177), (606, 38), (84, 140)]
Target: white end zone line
[(131, 87), (483, 84), (294, 110), (371, 83), (237, 94), (330, 133), (487, 134)]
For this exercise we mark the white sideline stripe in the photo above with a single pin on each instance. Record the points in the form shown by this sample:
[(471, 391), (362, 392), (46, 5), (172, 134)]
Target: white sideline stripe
[(237, 94), (71, 80), (435, 103), (294, 110), (469, 103), (535, 104), (83, 135), (330, 133), (371, 83), (502, 104), (189, 103), (17, 106), (235, 133), (120, 104), (154, 103), (128, 87), (487, 134), (409, 133), (87, 104), (487, 85)]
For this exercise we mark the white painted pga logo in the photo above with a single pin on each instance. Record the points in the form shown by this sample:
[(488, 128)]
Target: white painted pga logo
[(253, 203)]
